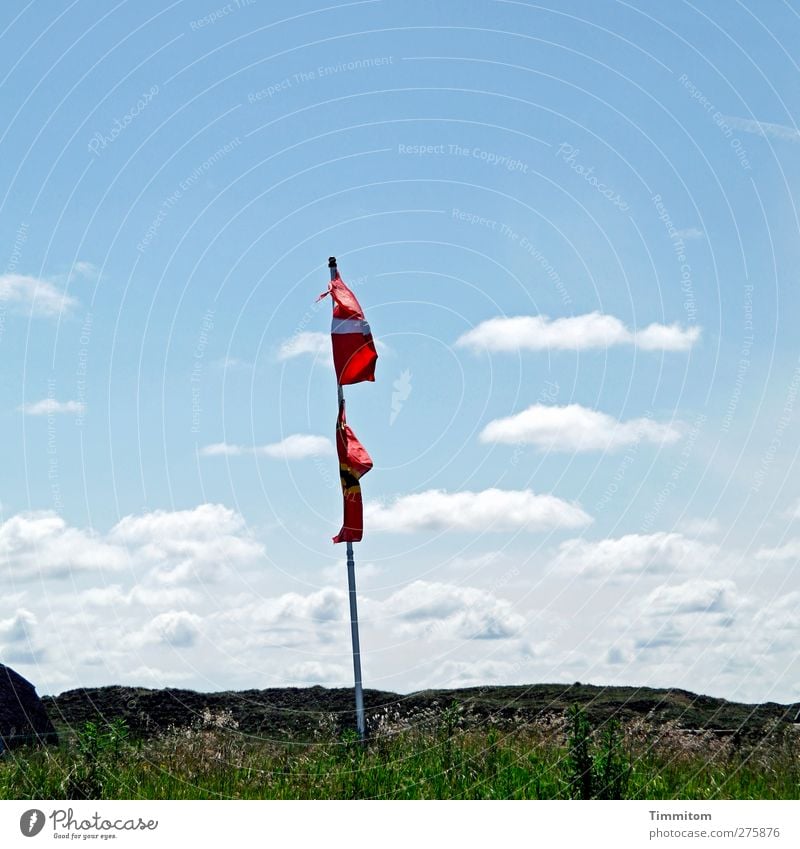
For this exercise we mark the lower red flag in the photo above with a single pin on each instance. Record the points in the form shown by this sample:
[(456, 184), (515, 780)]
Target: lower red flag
[(354, 462)]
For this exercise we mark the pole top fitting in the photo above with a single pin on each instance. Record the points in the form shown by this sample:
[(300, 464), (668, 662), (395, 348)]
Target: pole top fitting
[(331, 262)]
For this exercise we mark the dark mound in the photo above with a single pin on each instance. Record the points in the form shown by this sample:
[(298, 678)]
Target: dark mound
[(295, 712), (23, 718)]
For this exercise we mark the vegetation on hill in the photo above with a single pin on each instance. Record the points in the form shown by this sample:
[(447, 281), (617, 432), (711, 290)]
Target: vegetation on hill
[(543, 742)]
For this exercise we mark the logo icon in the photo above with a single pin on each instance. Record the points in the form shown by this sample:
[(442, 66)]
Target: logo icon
[(31, 822)]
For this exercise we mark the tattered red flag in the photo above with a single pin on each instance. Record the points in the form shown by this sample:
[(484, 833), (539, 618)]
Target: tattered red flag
[(354, 463)]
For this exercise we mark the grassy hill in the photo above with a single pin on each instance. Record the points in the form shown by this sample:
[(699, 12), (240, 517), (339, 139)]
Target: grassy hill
[(545, 741), (297, 712)]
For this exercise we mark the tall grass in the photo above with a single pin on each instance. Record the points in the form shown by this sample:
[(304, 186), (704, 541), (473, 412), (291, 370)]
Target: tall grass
[(436, 754)]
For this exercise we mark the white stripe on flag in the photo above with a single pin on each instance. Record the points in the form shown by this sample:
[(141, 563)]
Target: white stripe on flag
[(350, 325)]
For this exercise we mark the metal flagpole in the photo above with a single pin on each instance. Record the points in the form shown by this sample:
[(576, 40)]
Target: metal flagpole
[(351, 585)]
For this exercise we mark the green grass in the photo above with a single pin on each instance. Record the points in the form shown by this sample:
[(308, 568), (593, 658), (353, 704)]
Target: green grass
[(435, 754)]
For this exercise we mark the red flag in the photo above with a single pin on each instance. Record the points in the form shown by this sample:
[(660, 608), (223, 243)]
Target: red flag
[(354, 351), (354, 462)]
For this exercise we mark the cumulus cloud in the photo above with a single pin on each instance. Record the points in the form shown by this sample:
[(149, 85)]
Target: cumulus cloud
[(577, 333), (575, 428), (682, 617), (177, 628), (18, 628), (454, 673), (188, 544), (308, 342), (633, 554), (17, 636), (288, 620), (315, 672), (446, 611), (50, 407), (41, 543), (297, 446), (41, 296), (87, 270), (222, 449), (172, 545), (488, 510), (788, 551), (697, 595)]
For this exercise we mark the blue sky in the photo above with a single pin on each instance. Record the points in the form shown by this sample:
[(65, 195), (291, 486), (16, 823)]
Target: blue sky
[(574, 233)]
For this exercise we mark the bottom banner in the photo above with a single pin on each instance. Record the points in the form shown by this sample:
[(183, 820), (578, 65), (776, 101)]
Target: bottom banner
[(394, 824)]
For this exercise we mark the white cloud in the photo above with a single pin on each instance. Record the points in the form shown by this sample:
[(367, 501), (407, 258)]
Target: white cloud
[(666, 337), (488, 510), (325, 605), (179, 545), (315, 672), (788, 551), (222, 449), (87, 270), (43, 298), (297, 446), (17, 635), (114, 596), (308, 342), (19, 627), (576, 333), (575, 428), (177, 628), (634, 554), (288, 620), (763, 129), (445, 611), (697, 595), (49, 406), (453, 673), (366, 572), (172, 546), (41, 544)]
